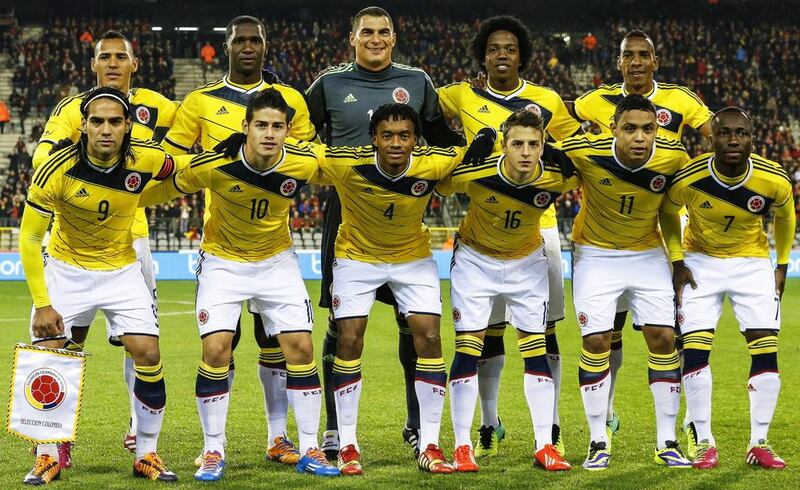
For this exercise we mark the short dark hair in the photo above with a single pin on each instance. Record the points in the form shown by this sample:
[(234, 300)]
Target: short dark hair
[(638, 33), (118, 96), (113, 34), (394, 112), (633, 102), (525, 118), (730, 110), (502, 23), (267, 99), (371, 12), (243, 19)]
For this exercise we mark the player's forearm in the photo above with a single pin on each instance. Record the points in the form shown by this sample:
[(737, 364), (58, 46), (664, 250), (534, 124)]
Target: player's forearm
[(31, 233), (438, 133), (670, 222), (784, 233)]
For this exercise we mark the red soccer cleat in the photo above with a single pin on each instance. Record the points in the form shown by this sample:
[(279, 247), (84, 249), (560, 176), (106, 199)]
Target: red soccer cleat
[(707, 457), (550, 459), (432, 460), (763, 455), (464, 460), (65, 455), (350, 461)]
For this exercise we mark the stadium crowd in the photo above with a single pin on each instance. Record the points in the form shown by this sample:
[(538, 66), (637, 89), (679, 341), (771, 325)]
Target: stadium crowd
[(750, 65)]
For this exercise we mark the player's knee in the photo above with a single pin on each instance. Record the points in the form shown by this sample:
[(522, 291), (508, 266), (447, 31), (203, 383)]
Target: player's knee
[(597, 343), (146, 354), (350, 343), (428, 343), (660, 340), (217, 350)]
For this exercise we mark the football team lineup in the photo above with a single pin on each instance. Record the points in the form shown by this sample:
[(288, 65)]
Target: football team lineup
[(661, 239)]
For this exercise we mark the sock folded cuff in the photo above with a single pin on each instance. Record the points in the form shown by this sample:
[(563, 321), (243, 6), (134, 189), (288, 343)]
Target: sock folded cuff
[(664, 362), (594, 363), (764, 345), (149, 374), (702, 340), (346, 367), (430, 364), (533, 345), (213, 373), (469, 345), (616, 336), (300, 370)]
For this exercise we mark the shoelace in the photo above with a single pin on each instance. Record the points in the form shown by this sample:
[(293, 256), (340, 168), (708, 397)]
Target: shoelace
[(210, 462), (284, 445), (768, 448), (42, 464), (486, 437), (152, 465), (318, 456)]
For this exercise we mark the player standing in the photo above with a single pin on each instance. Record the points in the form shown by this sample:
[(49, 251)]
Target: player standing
[(677, 108), (618, 253), (91, 190), (210, 114), (341, 101), (502, 47), (247, 254), (500, 257), (728, 193)]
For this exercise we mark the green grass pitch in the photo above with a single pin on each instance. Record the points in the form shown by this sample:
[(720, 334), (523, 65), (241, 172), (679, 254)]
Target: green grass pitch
[(100, 461)]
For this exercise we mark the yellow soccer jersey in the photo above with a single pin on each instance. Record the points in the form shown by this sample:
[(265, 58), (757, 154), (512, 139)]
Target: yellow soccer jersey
[(214, 111), (676, 108), (477, 109), (250, 208), (382, 214), (94, 207), (619, 206), (502, 220), (152, 115), (726, 216)]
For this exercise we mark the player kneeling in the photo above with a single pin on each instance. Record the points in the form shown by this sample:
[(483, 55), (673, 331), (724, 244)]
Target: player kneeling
[(728, 193), (499, 255), (93, 189), (247, 254)]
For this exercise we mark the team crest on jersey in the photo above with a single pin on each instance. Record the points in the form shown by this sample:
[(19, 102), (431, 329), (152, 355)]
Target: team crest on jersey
[(288, 187), (583, 319), (534, 108), (663, 117), (336, 302), (679, 318), (756, 203), (541, 199), (133, 181), (419, 187), (401, 95), (657, 183), (45, 389), (456, 315), (202, 317), (143, 115)]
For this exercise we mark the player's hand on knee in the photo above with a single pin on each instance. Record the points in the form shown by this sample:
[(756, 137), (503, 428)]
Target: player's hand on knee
[(47, 322), (481, 146), (681, 276), (780, 278)]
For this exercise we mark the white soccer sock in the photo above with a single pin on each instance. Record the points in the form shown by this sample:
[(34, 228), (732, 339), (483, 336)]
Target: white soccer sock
[(347, 398), (554, 362), (463, 398), (489, 387), (667, 401), (763, 390), (615, 361), (48, 449), (130, 378), (697, 390), (276, 403), (149, 418), (213, 412), (540, 394), (305, 397)]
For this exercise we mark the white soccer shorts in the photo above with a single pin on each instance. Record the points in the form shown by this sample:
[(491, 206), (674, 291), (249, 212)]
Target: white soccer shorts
[(122, 295), (273, 285), (478, 281), (748, 282), (600, 277), (415, 285)]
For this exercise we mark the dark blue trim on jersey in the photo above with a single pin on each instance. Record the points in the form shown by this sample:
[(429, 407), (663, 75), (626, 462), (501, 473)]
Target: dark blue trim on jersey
[(514, 104), (674, 124), (113, 180), (151, 122), (270, 182), (525, 195), (738, 197), (403, 185), (239, 98), (640, 178)]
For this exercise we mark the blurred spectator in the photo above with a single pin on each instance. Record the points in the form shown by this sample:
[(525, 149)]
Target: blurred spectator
[(5, 115), (208, 56)]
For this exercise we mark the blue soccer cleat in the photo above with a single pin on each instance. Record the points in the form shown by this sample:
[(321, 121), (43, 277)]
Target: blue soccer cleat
[(212, 469), (672, 456), (315, 463), (598, 458)]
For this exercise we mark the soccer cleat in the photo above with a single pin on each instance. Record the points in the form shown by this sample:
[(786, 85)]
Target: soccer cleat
[(706, 458), (213, 467), (612, 426), (432, 460), (558, 441), (672, 456), (315, 463), (464, 460), (65, 455), (489, 438), (598, 457), (550, 459), (691, 440), (129, 443), (330, 444), (283, 451), (411, 437), (763, 456), (350, 461), (45, 470), (152, 468)]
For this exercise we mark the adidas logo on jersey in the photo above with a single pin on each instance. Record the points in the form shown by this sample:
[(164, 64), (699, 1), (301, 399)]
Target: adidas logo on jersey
[(706, 205), (350, 98), (367, 190), (484, 109), (222, 111), (235, 188), (605, 182), (491, 200), (82, 193)]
